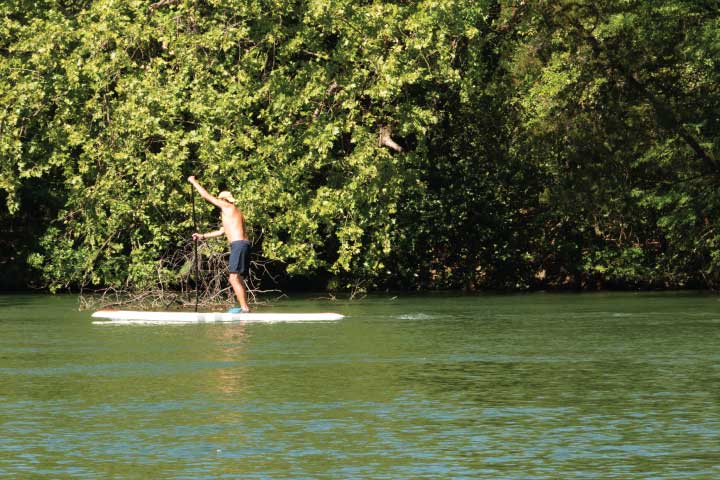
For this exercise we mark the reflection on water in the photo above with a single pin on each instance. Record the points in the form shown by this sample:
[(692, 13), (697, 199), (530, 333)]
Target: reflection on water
[(518, 387)]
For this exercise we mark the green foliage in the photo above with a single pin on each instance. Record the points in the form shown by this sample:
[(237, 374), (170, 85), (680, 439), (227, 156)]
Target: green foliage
[(544, 143)]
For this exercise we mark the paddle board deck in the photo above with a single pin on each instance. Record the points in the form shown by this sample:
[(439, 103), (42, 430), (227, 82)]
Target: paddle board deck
[(129, 317)]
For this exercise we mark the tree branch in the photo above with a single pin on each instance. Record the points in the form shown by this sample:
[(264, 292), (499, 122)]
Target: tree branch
[(162, 3), (664, 112), (386, 139)]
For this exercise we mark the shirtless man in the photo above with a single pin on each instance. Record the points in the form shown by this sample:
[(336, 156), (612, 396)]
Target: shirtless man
[(233, 227)]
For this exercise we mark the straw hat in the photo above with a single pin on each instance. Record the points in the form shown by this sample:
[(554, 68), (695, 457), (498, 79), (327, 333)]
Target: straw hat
[(225, 195)]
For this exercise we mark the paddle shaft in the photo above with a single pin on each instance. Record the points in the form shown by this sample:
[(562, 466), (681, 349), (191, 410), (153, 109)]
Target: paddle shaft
[(195, 255)]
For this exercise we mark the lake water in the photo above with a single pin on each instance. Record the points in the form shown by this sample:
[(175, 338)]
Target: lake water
[(538, 386)]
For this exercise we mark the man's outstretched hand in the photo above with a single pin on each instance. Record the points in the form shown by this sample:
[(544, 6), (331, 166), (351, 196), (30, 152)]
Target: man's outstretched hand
[(191, 179)]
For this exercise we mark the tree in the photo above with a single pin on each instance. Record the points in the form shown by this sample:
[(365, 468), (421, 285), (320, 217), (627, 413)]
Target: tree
[(429, 144)]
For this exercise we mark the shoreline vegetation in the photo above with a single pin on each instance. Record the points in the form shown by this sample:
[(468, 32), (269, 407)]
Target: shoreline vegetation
[(373, 146)]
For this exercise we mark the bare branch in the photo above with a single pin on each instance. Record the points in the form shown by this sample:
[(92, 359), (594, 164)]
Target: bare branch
[(175, 284), (386, 139), (161, 3)]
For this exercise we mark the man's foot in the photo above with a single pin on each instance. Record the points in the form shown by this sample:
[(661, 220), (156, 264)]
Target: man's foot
[(238, 310)]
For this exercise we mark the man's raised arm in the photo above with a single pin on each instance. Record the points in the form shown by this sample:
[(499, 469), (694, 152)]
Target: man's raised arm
[(204, 193)]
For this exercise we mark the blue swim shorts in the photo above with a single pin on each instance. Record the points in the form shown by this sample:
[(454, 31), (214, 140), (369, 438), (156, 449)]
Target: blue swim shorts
[(239, 257)]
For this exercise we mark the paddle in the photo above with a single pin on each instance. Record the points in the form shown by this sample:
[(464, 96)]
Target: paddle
[(195, 256)]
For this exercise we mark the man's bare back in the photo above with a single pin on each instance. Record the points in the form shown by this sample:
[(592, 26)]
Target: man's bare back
[(233, 222)]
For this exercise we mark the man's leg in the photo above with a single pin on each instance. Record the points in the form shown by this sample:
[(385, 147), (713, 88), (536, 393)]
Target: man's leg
[(239, 288)]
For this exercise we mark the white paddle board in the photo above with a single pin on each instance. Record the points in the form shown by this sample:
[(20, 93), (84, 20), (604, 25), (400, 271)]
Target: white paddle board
[(128, 317)]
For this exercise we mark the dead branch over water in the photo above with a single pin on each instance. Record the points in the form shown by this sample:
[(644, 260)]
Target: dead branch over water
[(176, 283)]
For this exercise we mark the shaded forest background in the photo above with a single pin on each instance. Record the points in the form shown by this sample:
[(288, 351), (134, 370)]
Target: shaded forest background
[(432, 144)]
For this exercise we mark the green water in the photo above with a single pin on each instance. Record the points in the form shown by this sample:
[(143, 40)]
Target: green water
[(501, 387)]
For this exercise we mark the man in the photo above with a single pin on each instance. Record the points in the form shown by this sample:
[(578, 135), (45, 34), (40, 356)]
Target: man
[(233, 227)]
